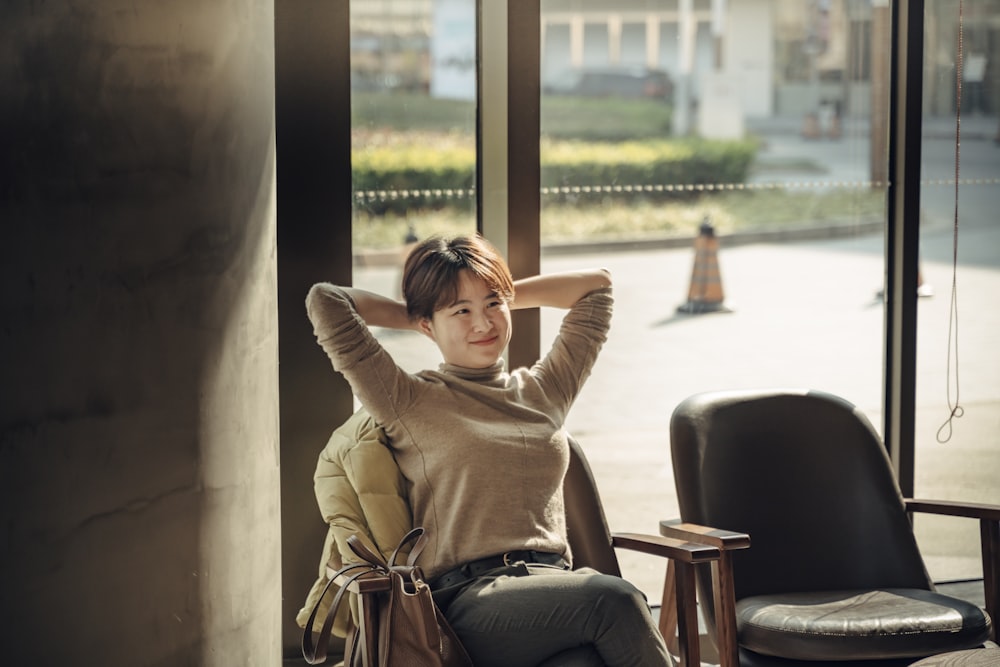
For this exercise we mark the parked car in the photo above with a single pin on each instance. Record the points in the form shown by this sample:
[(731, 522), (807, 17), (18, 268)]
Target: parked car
[(633, 82)]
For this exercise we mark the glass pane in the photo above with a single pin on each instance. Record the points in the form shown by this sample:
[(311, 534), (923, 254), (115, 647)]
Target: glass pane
[(958, 361), (413, 92), (717, 157)]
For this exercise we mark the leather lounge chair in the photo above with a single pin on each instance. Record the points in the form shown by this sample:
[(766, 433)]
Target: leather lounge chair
[(834, 576)]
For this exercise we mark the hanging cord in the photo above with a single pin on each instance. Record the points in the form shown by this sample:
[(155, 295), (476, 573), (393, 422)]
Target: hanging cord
[(955, 409)]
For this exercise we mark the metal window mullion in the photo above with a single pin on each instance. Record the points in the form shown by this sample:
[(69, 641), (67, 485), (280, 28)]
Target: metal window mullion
[(903, 236)]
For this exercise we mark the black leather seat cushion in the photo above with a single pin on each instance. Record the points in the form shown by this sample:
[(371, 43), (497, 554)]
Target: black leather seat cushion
[(840, 625)]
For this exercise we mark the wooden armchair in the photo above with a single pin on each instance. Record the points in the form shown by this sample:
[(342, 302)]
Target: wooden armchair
[(594, 545)]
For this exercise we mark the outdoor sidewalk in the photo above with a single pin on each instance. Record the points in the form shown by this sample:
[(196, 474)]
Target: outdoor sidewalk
[(974, 126)]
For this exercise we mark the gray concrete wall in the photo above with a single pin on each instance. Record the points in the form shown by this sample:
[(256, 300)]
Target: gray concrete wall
[(139, 455)]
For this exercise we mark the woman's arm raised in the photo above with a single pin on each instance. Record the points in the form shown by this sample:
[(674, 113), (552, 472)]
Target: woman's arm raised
[(379, 311), (558, 290)]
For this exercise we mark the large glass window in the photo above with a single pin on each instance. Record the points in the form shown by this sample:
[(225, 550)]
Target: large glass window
[(728, 162), (958, 360), (721, 165)]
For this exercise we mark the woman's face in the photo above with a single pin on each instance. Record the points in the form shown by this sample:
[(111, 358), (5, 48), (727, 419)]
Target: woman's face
[(473, 331)]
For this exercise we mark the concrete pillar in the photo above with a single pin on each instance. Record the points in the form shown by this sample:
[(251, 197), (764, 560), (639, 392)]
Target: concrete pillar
[(139, 455)]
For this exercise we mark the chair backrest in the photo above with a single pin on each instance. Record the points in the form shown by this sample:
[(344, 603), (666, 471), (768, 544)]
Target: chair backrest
[(806, 475), (586, 523)]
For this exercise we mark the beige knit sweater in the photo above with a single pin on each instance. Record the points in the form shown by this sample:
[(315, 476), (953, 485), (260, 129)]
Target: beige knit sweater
[(484, 450)]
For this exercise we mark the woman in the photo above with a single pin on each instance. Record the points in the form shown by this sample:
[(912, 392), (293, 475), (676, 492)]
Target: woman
[(485, 452)]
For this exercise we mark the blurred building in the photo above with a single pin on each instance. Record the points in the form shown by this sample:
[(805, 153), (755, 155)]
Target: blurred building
[(786, 57)]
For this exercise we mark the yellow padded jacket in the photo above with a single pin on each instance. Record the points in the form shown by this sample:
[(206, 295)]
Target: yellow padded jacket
[(360, 491)]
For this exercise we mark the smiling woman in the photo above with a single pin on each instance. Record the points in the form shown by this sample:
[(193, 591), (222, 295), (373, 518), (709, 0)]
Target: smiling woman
[(474, 328), (485, 449), (432, 271)]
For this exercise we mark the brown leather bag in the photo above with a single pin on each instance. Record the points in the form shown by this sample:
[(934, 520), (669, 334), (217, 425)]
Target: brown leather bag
[(399, 625)]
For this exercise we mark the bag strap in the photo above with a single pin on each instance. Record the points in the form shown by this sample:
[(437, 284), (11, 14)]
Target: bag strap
[(372, 558), (314, 655), (419, 539), (361, 549)]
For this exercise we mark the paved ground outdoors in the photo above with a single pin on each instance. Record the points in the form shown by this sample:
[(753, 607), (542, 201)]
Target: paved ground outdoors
[(805, 314)]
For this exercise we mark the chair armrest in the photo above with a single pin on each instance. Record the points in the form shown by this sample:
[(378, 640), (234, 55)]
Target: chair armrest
[(725, 540), (679, 609), (667, 547), (954, 508), (989, 538), (723, 586)]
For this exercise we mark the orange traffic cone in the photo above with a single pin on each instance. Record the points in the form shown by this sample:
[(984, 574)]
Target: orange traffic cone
[(705, 294)]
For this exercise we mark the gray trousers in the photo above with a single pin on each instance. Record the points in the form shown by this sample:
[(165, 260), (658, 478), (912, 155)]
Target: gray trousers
[(541, 616)]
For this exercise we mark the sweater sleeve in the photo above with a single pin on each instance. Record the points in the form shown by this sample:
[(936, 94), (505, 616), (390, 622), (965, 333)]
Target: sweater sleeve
[(383, 388), (567, 365)]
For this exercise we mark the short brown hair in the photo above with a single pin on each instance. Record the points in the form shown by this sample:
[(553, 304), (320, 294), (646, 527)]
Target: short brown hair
[(432, 269)]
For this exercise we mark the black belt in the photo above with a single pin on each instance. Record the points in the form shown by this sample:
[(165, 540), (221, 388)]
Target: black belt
[(475, 568)]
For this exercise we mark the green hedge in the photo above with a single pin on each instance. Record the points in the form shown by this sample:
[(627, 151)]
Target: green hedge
[(401, 177), (658, 167), (412, 177)]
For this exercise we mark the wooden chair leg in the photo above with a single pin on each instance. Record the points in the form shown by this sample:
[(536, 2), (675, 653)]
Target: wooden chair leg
[(725, 611), (668, 610), (689, 642), (367, 611)]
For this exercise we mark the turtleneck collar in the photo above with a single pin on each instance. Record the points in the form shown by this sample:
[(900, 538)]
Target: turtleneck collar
[(487, 374)]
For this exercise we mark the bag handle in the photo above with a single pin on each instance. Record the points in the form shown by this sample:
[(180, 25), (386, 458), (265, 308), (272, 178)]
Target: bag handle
[(419, 539), (314, 655), (416, 535)]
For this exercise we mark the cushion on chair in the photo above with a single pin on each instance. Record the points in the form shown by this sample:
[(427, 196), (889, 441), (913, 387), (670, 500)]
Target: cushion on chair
[(840, 625)]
